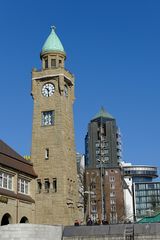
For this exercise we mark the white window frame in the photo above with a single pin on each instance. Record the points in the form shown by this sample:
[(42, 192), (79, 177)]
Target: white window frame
[(23, 186), (112, 186), (112, 194), (47, 118), (6, 181), (112, 201)]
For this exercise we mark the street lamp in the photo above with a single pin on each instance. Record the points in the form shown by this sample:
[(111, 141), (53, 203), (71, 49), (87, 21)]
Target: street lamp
[(102, 159), (101, 187), (89, 201)]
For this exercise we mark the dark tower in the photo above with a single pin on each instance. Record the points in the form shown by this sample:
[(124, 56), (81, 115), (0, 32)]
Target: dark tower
[(103, 179), (102, 142)]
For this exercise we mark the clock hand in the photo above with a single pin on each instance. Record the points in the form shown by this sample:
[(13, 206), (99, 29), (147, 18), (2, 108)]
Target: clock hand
[(48, 91)]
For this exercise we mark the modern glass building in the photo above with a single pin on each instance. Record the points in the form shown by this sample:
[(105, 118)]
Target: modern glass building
[(140, 173), (145, 192), (147, 198)]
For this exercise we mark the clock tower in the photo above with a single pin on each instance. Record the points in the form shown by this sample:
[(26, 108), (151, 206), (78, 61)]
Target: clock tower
[(53, 148)]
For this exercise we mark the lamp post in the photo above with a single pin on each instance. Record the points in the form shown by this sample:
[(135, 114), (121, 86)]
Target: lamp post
[(89, 201), (101, 186), (102, 161)]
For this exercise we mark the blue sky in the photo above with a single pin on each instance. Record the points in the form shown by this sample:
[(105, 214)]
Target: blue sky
[(113, 49)]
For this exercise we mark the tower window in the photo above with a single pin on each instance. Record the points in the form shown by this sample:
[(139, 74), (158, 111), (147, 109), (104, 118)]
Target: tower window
[(53, 63), (46, 185), (94, 208), (129, 237), (112, 186), (106, 151), (47, 118), (60, 63), (46, 153), (93, 186), (112, 194), (97, 152), (106, 158), (112, 201), (97, 145), (39, 186), (113, 208), (54, 184), (65, 91), (111, 178), (46, 63)]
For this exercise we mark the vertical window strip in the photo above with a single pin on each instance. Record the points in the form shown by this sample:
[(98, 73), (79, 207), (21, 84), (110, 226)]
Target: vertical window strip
[(46, 63), (46, 153)]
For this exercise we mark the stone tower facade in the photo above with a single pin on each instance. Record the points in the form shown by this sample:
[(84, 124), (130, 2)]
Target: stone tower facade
[(53, 148)]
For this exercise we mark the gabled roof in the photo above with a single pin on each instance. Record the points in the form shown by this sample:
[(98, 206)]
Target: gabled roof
[(103, 113), (11, 159)]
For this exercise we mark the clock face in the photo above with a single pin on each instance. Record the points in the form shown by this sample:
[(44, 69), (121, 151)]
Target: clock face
[(48, 89)]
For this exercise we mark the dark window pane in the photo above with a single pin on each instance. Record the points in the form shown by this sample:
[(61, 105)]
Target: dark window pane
[(53, 63), (46, 63)]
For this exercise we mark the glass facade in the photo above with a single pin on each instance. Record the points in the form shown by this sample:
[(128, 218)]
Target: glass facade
[(147, 198), (140, 171)]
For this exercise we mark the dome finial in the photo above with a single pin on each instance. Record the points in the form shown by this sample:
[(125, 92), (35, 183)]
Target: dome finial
[(53, 27)]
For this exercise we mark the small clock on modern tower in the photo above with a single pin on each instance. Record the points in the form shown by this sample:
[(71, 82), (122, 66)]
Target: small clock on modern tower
[(48, 89)]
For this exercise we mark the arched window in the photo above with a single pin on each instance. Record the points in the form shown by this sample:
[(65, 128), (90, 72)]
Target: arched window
[(6, 219), (24, 220)]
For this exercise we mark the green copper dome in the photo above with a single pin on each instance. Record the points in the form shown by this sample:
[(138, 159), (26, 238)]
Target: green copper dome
[(53, 43), (103, 113)]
